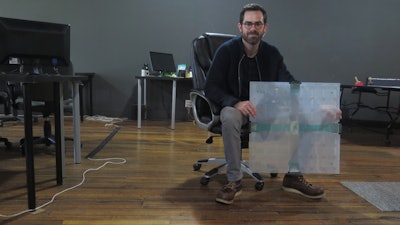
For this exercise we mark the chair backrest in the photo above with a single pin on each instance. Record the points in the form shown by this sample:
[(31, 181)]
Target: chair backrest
[(204, 48), (5, 99)]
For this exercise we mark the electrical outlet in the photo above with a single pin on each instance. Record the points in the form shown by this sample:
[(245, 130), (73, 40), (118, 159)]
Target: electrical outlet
[(188, 103)]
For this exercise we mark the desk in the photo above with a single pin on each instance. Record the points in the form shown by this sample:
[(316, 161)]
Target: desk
[(393, 116), (139, 96), (26, 81)]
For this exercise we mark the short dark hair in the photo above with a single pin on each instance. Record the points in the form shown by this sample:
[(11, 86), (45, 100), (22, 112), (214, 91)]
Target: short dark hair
[(252, 7)]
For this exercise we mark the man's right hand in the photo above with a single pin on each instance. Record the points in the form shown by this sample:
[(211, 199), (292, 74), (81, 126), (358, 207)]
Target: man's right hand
[(246, 108)]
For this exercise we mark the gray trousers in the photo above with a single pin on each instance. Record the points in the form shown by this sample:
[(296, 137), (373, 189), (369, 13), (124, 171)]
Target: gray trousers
[(232, 121)]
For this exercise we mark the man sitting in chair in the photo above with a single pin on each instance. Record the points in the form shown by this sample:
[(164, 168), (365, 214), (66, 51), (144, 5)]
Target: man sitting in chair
[(236, 63)]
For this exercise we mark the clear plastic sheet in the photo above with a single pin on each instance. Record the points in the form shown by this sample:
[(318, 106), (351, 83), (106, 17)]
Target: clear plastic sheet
[(296, 127)]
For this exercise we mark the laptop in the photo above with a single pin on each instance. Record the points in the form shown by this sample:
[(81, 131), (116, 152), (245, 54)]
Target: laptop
[(162, 63)]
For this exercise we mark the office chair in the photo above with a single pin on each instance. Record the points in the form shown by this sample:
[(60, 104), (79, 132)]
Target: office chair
[(205, 112), (6, 102), (42, 102), (46, 108)]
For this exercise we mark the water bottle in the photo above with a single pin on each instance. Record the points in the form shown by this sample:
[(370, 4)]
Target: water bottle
[(145, 70), (190, 72)]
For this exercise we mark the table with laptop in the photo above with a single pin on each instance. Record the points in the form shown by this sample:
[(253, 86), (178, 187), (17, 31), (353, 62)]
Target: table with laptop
[(162, 69)]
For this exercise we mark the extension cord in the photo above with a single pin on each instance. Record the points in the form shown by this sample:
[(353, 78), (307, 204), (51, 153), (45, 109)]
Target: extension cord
[(121, 161)]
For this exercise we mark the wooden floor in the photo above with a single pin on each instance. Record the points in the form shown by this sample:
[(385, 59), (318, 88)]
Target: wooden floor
[(157, 184)]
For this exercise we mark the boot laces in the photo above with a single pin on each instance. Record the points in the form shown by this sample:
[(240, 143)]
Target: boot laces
[(302, 180), (229, 187)]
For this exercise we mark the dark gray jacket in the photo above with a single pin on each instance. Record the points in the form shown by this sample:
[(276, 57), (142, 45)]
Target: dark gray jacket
[(223, 79)]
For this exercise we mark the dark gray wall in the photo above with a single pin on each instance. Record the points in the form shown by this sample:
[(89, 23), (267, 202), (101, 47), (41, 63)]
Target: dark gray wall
[(322, 40)]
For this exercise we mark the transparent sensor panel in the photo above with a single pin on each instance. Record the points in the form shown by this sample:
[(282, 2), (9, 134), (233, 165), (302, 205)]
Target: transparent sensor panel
[(296, 127)]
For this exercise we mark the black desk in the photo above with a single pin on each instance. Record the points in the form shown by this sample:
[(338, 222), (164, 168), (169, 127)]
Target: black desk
[(26, 81), (372, 89), (139, 96)]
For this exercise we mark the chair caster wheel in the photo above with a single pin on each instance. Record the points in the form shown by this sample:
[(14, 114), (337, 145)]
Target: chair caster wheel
[(273, 175), (8, 144), (259, 186), (209, 140), (196, 166), (204, 180)]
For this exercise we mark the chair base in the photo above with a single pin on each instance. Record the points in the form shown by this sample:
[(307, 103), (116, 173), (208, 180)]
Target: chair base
[(9, 118), (222, 165), (47, 139), (41, 140), (7, 143)]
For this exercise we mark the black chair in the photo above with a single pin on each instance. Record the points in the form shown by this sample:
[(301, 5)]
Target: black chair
[(42, 102), (6, 102), (205, 112), (46, 109)]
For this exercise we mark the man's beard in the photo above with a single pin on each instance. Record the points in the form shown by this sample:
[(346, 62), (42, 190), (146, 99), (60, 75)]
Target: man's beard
[(253, 40)]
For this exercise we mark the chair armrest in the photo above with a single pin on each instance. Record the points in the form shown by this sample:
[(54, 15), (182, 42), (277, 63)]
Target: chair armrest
[(205, 112)]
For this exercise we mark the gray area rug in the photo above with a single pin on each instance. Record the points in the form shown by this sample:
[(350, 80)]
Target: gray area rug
[(383, 195)]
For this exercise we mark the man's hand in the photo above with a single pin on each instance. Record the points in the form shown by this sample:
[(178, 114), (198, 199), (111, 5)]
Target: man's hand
[(332, 113), (246, 108)]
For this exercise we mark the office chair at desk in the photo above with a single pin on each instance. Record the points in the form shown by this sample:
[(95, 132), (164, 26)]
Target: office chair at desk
[(6, 99), (206, 114), (6, 102), (42, 96)]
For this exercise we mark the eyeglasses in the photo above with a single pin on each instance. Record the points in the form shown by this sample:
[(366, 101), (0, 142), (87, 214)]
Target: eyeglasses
[(257, 25)]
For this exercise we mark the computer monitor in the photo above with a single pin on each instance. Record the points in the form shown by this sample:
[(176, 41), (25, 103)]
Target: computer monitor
[(33, 44), (162, 62)]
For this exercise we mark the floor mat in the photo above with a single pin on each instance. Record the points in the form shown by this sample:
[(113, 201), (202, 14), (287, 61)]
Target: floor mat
[(383, 195)]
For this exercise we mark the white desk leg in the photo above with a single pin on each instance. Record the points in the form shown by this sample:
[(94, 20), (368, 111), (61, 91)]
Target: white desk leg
[(145, 98), (173, 105), (77, 122), (139, 112)]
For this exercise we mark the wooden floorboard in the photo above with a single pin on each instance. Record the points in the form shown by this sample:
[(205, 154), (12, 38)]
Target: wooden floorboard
[(157, 184)]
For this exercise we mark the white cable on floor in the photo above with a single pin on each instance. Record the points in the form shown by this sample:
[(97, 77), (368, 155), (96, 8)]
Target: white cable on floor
[(105, 119), (120, 161), (110, 121)]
